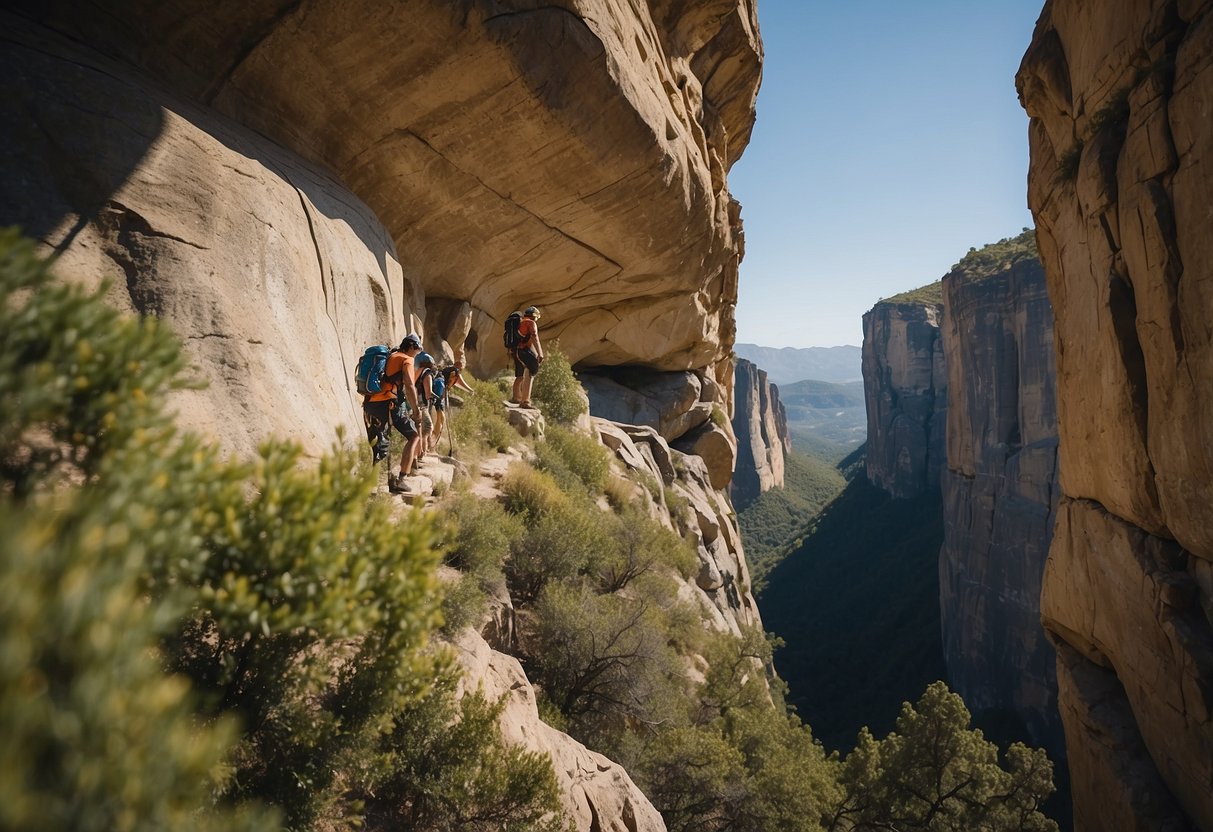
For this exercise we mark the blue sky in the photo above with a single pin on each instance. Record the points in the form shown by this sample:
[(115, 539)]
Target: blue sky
[(889, 141)]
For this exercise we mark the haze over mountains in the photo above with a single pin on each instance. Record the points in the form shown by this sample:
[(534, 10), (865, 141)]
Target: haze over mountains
[(785, 365)]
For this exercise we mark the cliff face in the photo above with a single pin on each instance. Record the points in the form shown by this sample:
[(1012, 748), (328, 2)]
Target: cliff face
[(761, 426), (905, 386), (1120, 184), (346, 172), (571, 155), (999, 495), (287, 182)]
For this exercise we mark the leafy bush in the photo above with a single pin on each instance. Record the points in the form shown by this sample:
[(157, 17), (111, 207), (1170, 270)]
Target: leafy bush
[(482, 533), (557, 390), (461, 775), (641, 546), (479, 424), (290, 597), (93, 734), (574, 457), (603, 660)]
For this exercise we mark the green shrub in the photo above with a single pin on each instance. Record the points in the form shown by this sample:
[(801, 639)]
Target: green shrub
[(935, 772), (557, 391), (603, 660), (573, 457), (295, 603), (460, 774), (479, 424), (565, 540), (93, 734), (529, 492), (642, 545), (483, 533)]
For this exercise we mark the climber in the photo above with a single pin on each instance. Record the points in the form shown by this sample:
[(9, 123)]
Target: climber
[(385, 409), (423, 381), (446, 379), (527, 356)]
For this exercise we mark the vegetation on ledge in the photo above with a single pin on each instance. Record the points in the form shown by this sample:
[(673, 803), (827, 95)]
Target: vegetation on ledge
[(996, 258)]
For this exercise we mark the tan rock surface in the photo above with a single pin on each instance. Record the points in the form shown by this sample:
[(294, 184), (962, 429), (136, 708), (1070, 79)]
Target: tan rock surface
[(468, 128), (272, 273), (597, 794), (1120, 185)]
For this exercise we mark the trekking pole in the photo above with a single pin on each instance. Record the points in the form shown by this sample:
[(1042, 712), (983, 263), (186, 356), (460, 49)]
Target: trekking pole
[(450, 417)]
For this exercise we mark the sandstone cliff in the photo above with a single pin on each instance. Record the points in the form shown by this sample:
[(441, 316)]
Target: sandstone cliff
[(905, 387), (1120, 185), (440, 150), (761, 426), (287, 182), (999, 495)]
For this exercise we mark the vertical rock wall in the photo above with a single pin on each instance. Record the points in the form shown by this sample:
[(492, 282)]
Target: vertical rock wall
[(1120, 96), (905, 386), (999, 496), (761, 426)]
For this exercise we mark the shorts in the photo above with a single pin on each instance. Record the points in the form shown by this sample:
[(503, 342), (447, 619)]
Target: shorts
[(440, 404), (380, 418), (427, 424), (524, 359)]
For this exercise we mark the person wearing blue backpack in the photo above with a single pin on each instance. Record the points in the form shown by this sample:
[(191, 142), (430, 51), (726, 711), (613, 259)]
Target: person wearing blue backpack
[(443, 382), (386, 384)]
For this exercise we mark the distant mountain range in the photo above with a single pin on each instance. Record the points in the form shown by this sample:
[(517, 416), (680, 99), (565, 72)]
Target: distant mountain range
[(785, 365)]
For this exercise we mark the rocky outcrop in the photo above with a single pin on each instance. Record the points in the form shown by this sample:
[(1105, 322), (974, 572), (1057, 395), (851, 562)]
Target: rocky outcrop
[(905, 387), (999, 496), (571, 155), (722, 590), (1120, 184), (761, 427), (685, 408), (595, 792)]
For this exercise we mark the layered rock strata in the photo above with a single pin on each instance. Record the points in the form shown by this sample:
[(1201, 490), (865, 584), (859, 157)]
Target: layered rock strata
[(1120, 184), (999, 496), (687, 409), (287, 182), (905, 388), (722, 587), (760, 424), (571, 155)]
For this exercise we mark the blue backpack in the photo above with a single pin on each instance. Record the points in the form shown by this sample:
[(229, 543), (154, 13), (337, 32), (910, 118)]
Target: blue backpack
[(368, 377), (438, 385)]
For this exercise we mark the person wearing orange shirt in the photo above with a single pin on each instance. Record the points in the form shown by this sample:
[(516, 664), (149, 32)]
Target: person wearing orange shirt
[(527, 356), (387, 409)]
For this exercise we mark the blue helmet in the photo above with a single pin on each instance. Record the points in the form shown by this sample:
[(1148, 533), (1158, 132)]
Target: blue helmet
[(424, 359)]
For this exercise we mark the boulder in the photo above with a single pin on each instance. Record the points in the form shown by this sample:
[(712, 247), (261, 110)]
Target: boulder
[(596, 793), (716, 446)]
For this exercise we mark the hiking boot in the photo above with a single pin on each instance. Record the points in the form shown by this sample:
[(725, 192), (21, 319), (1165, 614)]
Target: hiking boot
[(395, 484)]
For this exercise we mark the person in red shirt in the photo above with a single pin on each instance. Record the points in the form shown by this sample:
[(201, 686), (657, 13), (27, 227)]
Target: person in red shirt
[(527, 356), (392, 407)]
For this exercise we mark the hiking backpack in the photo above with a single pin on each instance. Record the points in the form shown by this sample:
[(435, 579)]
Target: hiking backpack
[(368, 377), (418, 383), (513, 330), (438, 385)]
